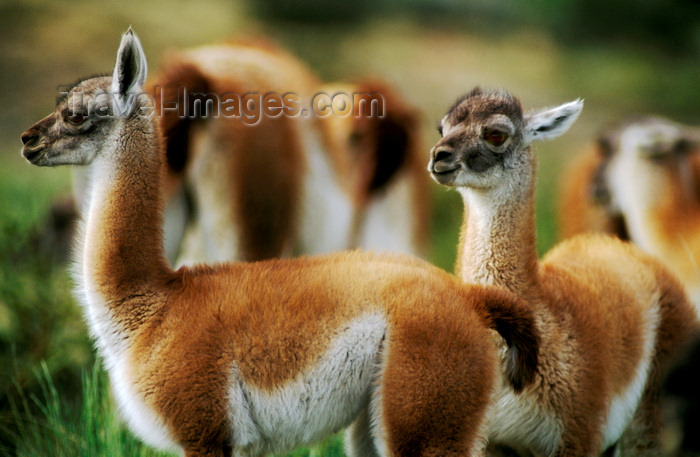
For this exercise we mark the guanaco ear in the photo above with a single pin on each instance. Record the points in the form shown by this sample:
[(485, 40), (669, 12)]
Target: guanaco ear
[(550, 123), (129, 74)]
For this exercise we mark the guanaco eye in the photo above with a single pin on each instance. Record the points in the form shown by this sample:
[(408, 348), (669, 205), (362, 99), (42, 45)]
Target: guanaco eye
[(439, 129), (495, 137), (657, 152), (75, 118)]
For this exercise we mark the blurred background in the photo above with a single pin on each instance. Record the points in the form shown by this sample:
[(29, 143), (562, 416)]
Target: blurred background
[(623, 57)]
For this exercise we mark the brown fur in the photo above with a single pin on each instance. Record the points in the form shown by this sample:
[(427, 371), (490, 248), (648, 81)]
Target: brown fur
[(580, 207), (297, 329), (592, 295), (377, 152), (251, 175), (588, 294), (670, 225), (439, 364), (257, 169), (176, 343)]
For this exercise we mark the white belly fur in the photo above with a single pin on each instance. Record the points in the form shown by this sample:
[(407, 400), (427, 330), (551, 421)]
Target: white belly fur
[(518, 418), (318, 402)]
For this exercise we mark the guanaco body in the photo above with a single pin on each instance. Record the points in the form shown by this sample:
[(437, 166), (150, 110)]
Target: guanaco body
[(244, 359), (271, 172), (611, 318)]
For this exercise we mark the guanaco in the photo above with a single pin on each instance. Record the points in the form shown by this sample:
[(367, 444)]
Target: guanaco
[(247, 183), (641, 181), (611, 318), (245, 359)]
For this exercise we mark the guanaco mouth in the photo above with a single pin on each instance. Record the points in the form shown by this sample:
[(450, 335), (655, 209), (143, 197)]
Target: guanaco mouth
[(31, 154), (440, 168)]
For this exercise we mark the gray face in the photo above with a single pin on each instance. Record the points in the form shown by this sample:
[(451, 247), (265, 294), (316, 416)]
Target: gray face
[(480, 137), (72, 134)]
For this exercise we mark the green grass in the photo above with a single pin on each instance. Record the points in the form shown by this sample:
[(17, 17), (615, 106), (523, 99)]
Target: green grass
[(49, 405), (39, 320), (46, 424)]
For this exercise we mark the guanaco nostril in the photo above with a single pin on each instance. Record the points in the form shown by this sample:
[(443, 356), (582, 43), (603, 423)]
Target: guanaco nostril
[(28, 137), (441, 163), (442, 155)]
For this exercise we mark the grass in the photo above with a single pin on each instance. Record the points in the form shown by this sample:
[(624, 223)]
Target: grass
[(48, 406), (39, 321), (46, 424)]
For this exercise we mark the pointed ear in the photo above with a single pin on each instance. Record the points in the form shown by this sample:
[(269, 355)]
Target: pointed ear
[(550, 123), (130, 70)]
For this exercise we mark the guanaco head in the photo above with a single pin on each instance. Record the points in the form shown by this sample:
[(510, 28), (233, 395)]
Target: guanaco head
[(645, 159), (486, 138), (88, 112)]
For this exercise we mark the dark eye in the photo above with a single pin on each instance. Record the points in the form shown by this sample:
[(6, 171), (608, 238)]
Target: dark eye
[(75, 118), (657, 152), (439, 129), (494, 137)]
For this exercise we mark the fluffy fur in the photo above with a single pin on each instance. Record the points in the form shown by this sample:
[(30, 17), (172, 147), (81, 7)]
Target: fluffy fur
[(291, 184), (247, 358), (641, 182), (611, 318)]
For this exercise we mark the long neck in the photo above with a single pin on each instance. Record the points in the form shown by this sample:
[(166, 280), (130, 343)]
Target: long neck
[(497, 241), (123, 254)]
